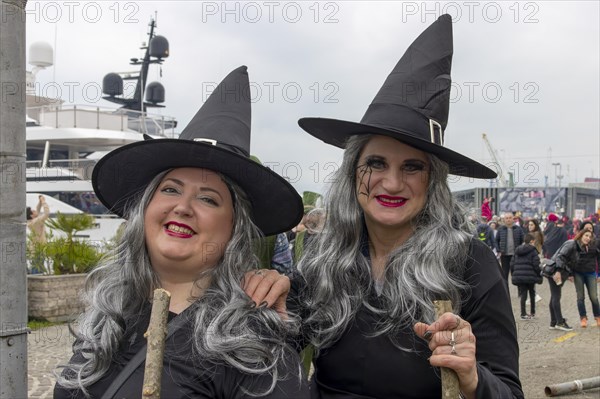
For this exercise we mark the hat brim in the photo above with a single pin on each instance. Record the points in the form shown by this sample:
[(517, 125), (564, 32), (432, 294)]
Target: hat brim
[(336, 132), (124, 172)]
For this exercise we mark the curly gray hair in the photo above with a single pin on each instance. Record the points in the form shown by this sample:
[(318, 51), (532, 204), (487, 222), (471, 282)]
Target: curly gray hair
[(425, 267)]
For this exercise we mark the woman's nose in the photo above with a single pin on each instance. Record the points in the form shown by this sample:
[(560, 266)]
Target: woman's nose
[(183, 207), (393, 180)]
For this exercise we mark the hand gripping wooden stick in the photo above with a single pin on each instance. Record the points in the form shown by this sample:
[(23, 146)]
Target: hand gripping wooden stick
[(157, 331), (450, 387)]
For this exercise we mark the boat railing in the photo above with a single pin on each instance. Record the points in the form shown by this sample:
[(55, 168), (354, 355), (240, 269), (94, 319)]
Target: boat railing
[(61, 169), (90, 117)]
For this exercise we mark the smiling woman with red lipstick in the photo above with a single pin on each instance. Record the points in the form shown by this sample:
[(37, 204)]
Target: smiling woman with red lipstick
[(195, 208), (392, 180), (394, 241), (188, 223)]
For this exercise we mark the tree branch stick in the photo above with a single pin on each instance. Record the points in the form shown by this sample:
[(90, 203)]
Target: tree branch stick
[(157, 331), (450, 387)]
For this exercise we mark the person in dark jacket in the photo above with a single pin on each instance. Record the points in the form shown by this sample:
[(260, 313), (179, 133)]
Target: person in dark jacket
[(525, 267), (565, 259), (554, 237), (485, 233), (595, 226), (509, 237), (588, 225), (494, 228), (585, 273)]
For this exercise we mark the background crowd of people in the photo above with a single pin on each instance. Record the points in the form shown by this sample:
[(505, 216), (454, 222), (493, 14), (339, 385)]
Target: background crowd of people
[(572, 244)]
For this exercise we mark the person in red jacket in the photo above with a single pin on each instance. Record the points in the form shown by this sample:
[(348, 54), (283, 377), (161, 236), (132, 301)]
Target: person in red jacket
[(486, 211)]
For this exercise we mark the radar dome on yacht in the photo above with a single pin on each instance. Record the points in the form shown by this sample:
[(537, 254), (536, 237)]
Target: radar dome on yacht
[(159, 47), (112, 84), (41, 54), (155, 93)]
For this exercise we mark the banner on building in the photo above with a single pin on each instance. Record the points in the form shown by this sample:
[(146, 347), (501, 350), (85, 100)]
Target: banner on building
[(533, 202)]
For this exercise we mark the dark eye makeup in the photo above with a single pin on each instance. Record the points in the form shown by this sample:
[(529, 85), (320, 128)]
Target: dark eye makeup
[(410, 165)]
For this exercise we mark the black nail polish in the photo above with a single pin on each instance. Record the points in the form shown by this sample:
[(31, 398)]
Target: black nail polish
[(427, 335), (263, 304), (252, 304)]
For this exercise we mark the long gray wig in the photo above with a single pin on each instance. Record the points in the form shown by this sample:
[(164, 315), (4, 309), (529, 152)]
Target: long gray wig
[(227, 330), (425, 267)]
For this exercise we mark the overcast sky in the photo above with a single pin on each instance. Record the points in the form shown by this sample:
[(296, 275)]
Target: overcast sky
[(526, 73)]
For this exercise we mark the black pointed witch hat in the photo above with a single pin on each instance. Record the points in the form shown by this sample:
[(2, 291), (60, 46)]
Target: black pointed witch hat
[(217, 138), (412, 105)]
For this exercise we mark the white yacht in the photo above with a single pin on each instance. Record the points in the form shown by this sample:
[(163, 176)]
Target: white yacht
[(64, 142)]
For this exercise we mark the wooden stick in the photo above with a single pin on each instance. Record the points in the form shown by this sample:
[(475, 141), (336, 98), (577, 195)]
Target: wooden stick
[(157, 331), (450, 387)]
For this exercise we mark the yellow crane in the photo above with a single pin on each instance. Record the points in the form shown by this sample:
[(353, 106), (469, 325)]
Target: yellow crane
[(501, 180)]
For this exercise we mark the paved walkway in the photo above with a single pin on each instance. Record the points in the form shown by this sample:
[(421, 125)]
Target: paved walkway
[(553, 356), (48, 347), (547, 356)]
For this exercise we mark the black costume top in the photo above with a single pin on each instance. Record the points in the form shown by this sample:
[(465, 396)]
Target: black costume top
[(186, 376), (359, 367)]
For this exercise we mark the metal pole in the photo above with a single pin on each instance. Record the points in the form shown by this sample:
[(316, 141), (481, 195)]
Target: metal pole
[(46, 154), (13, 278), (572, 386), (557, 171)]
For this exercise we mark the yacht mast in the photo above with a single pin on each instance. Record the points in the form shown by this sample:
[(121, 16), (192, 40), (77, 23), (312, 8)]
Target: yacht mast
[(157, 49)]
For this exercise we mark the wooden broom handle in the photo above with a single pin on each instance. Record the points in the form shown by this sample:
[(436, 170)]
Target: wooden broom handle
[(156, 334), (450, 387)]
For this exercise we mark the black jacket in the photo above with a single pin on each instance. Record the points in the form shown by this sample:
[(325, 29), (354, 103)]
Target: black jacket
[(554, 237), (485, 234), (184, 374), (567, 256), (361, 365), (588, 259), (525, 266), (503, 233)]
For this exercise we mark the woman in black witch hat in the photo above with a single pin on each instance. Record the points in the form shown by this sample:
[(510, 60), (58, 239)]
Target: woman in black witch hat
[(194, 210), (394, 241)]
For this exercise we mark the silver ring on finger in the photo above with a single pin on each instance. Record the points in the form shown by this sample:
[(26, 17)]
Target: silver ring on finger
[(453, 351), (452, 344)]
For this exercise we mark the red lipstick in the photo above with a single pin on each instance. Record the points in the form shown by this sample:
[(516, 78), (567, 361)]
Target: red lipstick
[(390, 201), (178, 230)]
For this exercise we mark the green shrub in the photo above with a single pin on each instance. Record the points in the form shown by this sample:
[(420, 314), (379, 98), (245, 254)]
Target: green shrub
[(69, 256), (65, 255), (71, 224), (36, 254)]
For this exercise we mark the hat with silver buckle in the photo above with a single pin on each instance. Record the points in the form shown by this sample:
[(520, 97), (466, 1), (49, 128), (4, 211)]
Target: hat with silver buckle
[(412, 105), (218, 139)]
